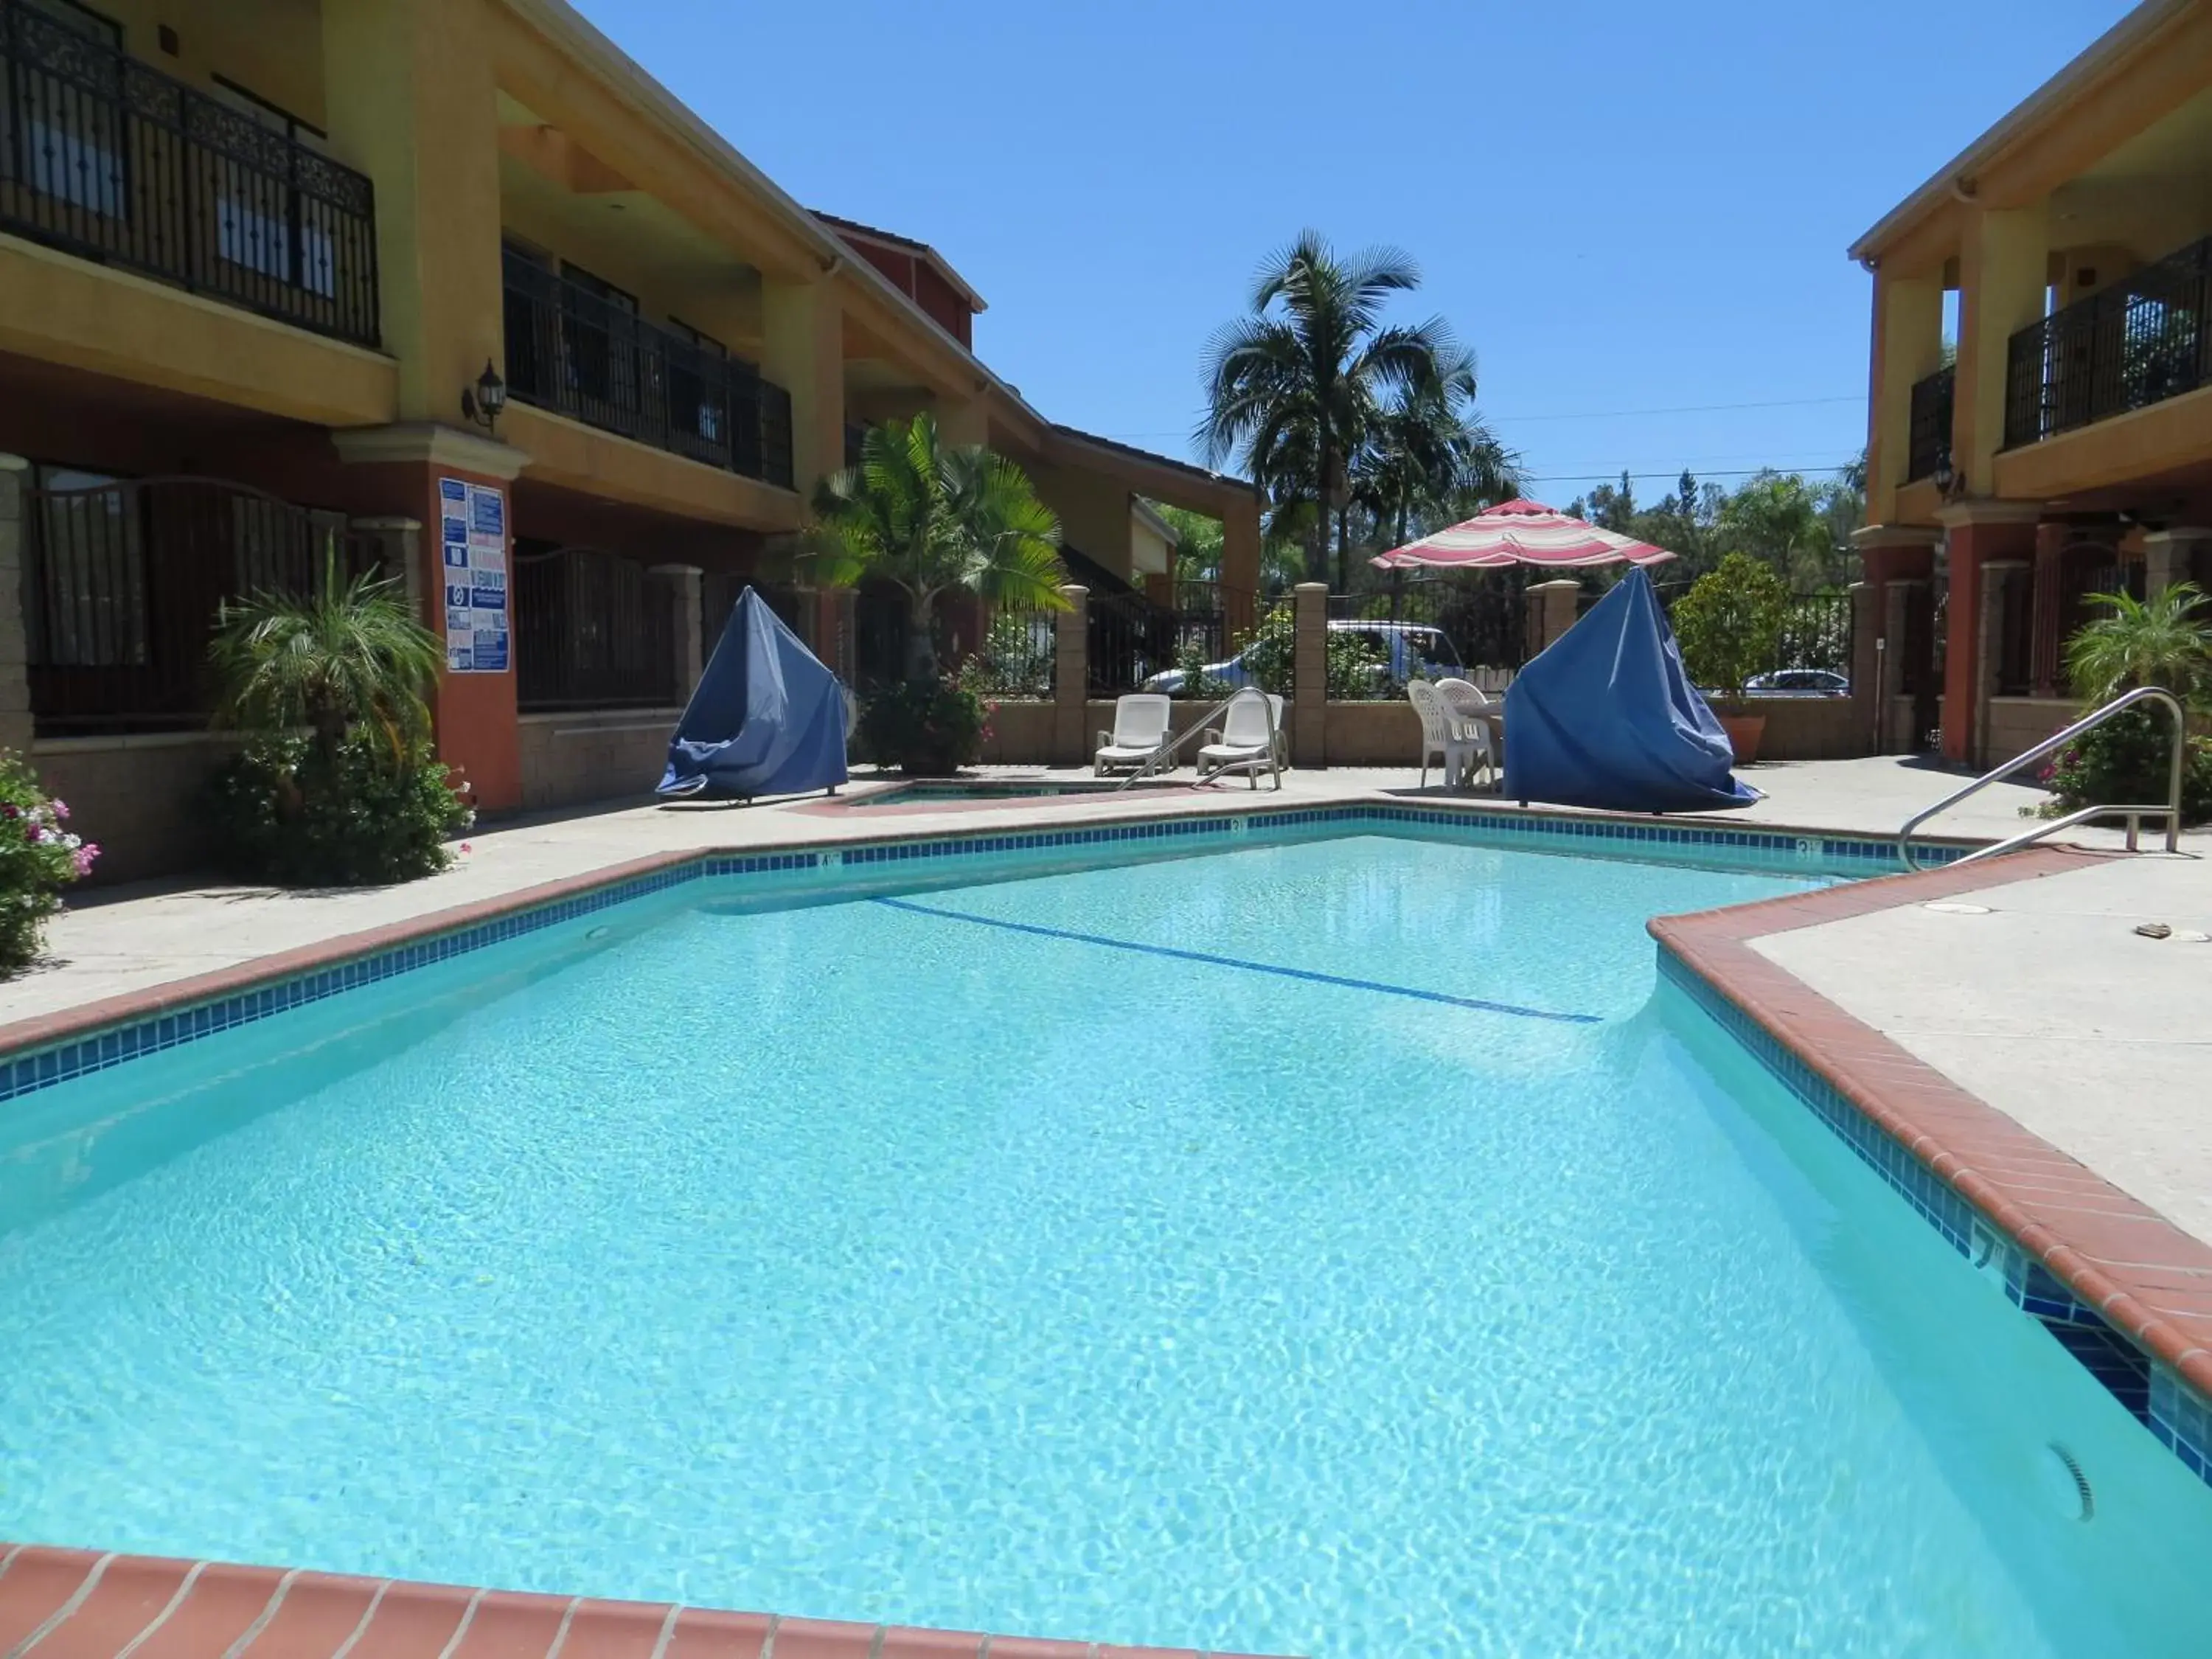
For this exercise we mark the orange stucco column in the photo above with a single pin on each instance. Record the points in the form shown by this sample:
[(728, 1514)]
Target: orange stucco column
[(400, 471), (1977, 534)]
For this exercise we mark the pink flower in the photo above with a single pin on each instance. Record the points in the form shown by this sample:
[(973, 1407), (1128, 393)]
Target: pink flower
[(60, 807), (466, 848), (83, 856), (37, 835), (10, 810)]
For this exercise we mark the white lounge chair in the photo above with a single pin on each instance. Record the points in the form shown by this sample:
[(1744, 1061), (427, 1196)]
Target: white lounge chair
[(1464, 702), (1248, 740), (1442, 738), (1140, 731)]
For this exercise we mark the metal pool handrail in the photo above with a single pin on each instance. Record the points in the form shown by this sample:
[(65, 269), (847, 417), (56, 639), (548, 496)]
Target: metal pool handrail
[(2051, 745), (1163, 758)]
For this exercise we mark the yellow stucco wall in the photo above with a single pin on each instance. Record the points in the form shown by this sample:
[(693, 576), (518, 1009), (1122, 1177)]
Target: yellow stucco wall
[(59, 309), (273, 48), (597, 464)]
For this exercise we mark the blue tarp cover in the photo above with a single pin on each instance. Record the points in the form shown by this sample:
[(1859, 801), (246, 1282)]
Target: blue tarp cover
[(1606, 717), (767, 718)]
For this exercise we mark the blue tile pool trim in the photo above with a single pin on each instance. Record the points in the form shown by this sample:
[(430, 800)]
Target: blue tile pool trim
[(2157, 1397), (44, 1068), (1239, 963)]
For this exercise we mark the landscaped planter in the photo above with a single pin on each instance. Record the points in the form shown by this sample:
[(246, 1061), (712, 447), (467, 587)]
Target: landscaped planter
[(1744, 733)]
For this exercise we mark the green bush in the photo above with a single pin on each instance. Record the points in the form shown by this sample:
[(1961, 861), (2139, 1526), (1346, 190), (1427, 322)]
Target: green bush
[(929, 728), (1729, 623), (39, 857), (2126, 762), (291, 811), (1268, 652)]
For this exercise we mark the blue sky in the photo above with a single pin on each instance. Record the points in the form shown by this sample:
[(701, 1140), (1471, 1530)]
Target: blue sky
[(1623, 207)]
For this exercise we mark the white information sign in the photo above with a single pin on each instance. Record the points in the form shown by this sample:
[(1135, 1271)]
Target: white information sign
[(472, 532)]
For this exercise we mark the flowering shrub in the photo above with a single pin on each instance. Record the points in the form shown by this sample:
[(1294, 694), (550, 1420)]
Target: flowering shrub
[(929, 730), (39, 857)]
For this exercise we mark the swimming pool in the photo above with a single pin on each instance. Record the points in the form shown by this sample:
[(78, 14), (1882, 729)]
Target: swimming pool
[(1339, 1246)]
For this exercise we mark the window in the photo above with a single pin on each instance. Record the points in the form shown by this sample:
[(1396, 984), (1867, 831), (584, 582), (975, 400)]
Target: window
[(85, 599), (255, 214)]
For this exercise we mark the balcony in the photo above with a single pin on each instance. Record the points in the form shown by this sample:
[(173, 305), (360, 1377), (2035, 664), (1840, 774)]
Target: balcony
[(102, 157), (2138, 342), (578, 353), (1929, 440)]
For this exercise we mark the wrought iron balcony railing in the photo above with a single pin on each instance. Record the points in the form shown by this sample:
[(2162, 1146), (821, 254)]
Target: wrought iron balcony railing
[(2139, 341), (584, 355), (1929, 439), (104, 157)]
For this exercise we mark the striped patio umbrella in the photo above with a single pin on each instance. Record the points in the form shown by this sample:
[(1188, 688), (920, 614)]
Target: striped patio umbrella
[(1520, 532)]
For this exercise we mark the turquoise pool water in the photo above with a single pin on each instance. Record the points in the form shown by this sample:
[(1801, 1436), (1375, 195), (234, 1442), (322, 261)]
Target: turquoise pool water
[(1390, 1270)]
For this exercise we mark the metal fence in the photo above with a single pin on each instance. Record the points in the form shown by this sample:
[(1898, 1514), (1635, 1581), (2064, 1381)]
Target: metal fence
[(584, 355), (1816, 633), (593, 630), (1127, 640), (103, 156), (1016, 654), (2139, 341), (123, 580)]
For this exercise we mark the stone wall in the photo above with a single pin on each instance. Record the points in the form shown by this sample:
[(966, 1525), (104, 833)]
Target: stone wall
[(593, 755), (137, 796), (2018, 723)]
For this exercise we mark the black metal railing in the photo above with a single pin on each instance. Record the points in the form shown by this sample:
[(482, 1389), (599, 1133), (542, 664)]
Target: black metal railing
[(101, 157), (1929, 438), (593, 630), (1127, 639), (2139, 341), (584, 355), (1816, 633), (122, 582)]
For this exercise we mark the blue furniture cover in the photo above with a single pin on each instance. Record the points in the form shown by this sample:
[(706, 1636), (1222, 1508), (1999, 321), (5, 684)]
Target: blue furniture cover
[(767, 718), (1607, 717)]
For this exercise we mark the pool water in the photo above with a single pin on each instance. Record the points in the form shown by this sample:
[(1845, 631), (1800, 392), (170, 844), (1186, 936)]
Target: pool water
[(1334, 1249)]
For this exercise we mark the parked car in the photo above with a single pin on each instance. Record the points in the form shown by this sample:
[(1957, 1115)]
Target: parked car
[(1799, 683), (1403, 650)]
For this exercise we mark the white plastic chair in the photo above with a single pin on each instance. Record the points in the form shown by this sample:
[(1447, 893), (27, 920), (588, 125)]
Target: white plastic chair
[(1465, 704), (1140, 729), (1440, 735), (1248, 740)]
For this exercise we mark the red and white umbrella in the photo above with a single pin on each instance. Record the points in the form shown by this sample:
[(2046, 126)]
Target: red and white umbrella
[(1521, 532)]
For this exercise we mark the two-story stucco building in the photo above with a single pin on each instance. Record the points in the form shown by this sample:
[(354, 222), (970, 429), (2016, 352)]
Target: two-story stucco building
[(2040, 410), (253, 255)]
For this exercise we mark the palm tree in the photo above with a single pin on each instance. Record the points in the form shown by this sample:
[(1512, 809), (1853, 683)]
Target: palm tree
[(2158, 641), (934, 518), (1427, 452), (1295, 385), (350, 654)]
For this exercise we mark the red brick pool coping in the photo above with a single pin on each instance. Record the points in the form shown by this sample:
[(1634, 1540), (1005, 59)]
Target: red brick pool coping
[(2147, 1277), (77, 1604)]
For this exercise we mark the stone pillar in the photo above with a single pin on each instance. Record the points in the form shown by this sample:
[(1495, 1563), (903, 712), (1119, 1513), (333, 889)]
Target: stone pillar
[(1240, 568), (15, 648), (1998, 578), (1552, 611), (1070, 677), (687, 601), (2171, 557), (399, 548), (1977, 533), (1309, 675), (1866, 690)]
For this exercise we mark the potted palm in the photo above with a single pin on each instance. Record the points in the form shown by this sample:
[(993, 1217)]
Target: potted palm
[(2165, 640), (932, 519), (1729, 626)]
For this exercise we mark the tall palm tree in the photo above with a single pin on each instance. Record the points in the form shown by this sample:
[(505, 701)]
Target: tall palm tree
[(1427, 452), (1295, 385), (350, 654), (933, 518)]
